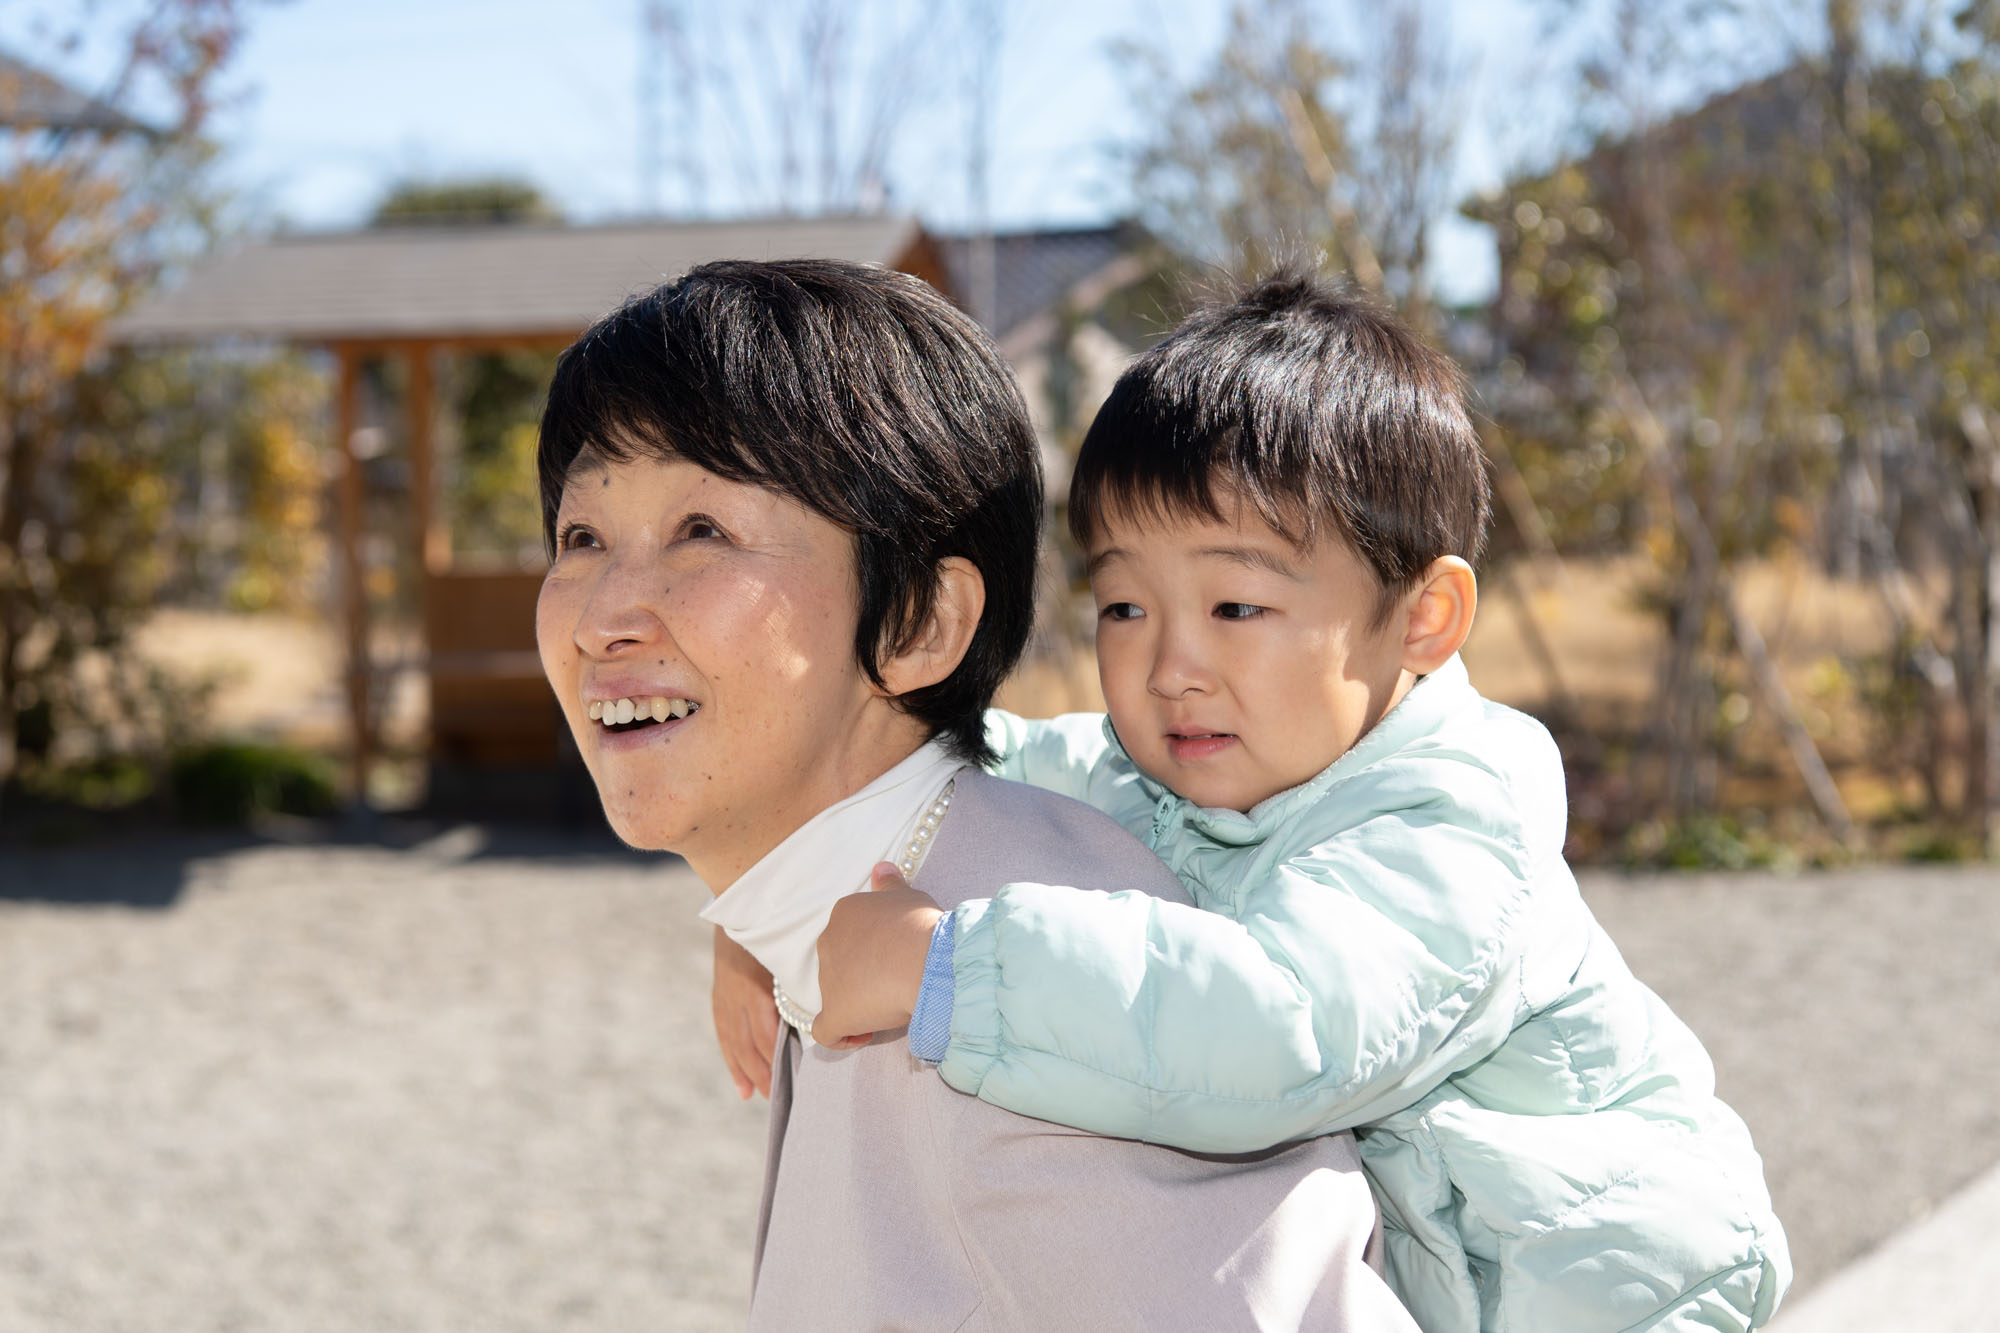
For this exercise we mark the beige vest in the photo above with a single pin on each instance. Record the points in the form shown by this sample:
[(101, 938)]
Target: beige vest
[(893, 1202)]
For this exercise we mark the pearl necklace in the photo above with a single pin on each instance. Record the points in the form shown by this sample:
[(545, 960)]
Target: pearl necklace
[(913, 856)]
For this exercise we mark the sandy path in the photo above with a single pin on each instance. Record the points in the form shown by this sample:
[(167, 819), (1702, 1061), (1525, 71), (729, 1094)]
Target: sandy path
[(357, 1089), (1854, 1018), (470, 1084)]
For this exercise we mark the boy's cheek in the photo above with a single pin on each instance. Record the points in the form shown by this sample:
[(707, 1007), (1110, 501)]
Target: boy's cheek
[(1124, 695)]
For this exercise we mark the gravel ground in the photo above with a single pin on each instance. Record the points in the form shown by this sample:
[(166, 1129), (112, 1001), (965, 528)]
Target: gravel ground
[(462, 1086), (468, 1082), (1854, 1018)]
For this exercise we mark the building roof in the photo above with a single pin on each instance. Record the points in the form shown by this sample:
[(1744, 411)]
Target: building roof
[(476, 281), (33, 99), (1033, 271), (1744, 128)]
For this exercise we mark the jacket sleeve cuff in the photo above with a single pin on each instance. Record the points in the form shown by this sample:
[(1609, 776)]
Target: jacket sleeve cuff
[(975, 1010), (930, 1021)]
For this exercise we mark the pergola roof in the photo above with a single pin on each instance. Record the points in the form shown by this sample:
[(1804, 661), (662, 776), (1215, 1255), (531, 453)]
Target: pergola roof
[(493, 281)]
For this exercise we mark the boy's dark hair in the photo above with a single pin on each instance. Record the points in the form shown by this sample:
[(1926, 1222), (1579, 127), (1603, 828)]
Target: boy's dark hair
[(858, 392), (1316, 408)]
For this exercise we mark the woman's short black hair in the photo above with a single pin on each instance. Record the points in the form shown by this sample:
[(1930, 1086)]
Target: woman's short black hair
[(856, 391), (1315, 407)]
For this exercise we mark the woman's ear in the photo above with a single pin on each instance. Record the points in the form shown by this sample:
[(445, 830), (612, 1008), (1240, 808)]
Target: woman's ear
[(1441, 607), (938, 645)]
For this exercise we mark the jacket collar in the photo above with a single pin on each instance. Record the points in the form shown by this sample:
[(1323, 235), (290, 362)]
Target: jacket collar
[(1421, 712)]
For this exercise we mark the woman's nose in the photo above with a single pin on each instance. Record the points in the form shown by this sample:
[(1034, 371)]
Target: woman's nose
[(622, 611)]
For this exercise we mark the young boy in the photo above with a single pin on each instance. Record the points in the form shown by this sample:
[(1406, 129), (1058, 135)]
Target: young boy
[(1280, 503)]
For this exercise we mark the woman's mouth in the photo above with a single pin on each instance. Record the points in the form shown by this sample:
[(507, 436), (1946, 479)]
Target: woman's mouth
[(633, 714)]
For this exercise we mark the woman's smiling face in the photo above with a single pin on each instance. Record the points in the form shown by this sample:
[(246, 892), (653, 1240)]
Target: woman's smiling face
[(736, 607)]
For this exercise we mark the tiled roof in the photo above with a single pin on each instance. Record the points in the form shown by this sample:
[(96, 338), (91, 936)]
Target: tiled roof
[(436, 282), (32, 99), (1032, 270)]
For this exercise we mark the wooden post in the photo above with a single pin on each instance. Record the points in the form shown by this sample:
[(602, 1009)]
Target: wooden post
[(433, 531), (432, 535), (354, 587)]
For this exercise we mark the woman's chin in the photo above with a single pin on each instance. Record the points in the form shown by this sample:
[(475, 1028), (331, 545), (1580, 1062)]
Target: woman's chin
[(641, 840), (642, 830)]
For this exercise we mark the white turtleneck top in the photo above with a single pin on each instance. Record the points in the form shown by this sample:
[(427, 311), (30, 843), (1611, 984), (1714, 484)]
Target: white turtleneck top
[(778, 907)]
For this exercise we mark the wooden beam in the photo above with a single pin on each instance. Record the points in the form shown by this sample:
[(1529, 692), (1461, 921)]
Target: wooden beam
[(550, 340), (354, 586), (433, 532)]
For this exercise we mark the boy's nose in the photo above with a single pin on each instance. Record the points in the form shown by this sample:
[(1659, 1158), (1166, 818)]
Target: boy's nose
[(1177, 672)]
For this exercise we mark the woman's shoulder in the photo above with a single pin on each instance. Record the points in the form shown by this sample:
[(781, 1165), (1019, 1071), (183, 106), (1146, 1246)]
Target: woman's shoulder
[(1004, 832)]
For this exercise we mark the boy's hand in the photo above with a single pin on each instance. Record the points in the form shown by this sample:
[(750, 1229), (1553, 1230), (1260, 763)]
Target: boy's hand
[(871, 960), (746, 1016)]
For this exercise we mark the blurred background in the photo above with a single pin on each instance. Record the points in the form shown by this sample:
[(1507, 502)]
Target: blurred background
[(281, 285)]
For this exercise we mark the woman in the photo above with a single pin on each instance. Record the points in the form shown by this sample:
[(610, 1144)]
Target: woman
[(794, 509)]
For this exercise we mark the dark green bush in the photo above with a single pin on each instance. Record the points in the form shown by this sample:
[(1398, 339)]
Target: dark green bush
[(233, 782), (1708, 842), (114, 782)]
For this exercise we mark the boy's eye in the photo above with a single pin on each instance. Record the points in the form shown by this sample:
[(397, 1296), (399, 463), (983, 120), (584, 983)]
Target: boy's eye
[(1237, 610), (1120, 611)]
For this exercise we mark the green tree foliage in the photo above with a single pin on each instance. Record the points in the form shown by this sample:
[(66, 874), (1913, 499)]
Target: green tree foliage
[(495, 511), (1681, 259), (1764, 325), (87, 492), (227, 439), (461, 203)]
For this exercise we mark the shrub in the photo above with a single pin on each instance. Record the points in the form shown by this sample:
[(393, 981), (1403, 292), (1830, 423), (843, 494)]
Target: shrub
[(233, 782)]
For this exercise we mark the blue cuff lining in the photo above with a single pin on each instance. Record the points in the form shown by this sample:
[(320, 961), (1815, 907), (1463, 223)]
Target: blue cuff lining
[(930, 1022)]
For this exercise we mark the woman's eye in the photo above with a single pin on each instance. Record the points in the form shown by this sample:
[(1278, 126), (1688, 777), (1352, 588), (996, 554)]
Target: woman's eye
[(575, 536), (1237, 610), (700, 529), (1120, 611)]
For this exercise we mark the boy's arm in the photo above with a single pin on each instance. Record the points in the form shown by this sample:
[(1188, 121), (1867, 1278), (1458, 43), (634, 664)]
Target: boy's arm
[(1058, 754), (1343, 988)]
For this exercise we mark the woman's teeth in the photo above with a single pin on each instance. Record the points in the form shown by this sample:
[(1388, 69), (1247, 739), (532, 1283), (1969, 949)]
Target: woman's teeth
[(658, 708)]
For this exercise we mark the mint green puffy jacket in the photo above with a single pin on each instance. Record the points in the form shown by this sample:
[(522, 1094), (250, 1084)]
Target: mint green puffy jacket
[(1396, 947)]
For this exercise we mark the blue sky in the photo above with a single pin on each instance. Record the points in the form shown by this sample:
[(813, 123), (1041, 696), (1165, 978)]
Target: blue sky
[(334, 99)]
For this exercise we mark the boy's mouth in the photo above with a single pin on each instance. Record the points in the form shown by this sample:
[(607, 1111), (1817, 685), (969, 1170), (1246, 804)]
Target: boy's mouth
[(1187, 745)]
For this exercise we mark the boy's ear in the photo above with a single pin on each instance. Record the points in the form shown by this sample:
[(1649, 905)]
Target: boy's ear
[(934, 651), (1441, 607)]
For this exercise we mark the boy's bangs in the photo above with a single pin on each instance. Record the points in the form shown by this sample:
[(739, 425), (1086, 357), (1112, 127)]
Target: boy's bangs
[(1147, 496)]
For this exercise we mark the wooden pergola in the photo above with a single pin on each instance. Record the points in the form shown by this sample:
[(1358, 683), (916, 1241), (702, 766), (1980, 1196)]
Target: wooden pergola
[(409, 293)]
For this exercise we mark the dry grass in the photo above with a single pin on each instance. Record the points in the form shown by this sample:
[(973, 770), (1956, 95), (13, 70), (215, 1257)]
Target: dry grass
[(1597, 678), (280, 678), (1607, 645)]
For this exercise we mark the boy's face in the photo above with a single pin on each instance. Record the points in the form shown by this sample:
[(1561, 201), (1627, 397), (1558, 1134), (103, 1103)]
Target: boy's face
[(1235, 665)]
